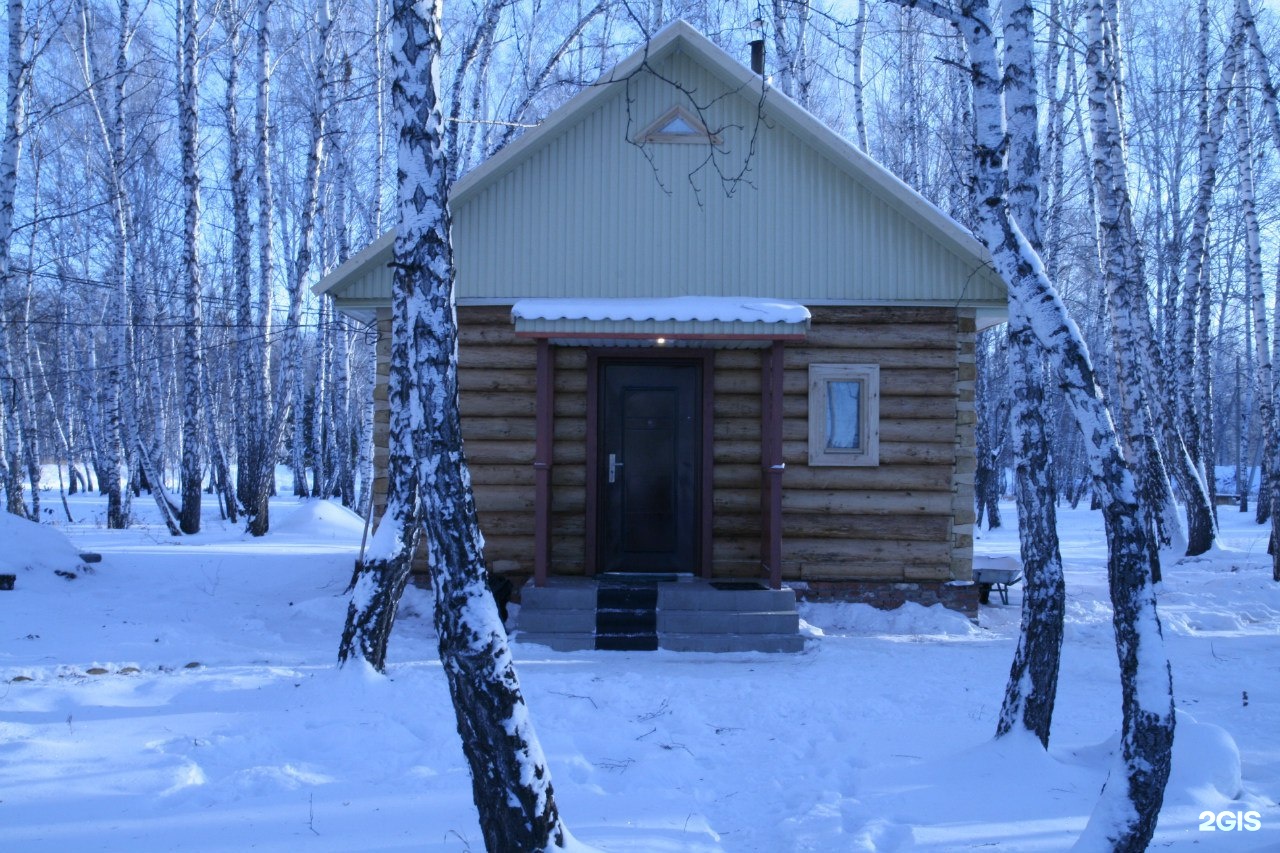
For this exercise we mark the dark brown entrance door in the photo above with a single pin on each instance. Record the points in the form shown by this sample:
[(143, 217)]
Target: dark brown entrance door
[(649, 465)]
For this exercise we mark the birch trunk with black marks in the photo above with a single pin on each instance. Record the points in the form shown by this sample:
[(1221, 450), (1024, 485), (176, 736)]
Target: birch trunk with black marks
[(118, 438), (292, 360), (1125, 818), (1193, 400), (859, 82), (15, 128), (247, 427), (1268, 388), (511, 783), (192, 356), (266, 443), (1032, 688), (1122, 268), (992, 403)]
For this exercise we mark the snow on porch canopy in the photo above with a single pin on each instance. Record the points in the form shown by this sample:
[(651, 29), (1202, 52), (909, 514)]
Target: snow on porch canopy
[(676, 320)]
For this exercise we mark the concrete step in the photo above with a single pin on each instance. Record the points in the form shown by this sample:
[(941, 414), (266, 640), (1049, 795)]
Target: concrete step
[(704, 597), (726, 622), (558, 641), (627, 642), (614, 621), (572, 614), (732, 642), (535, 621)]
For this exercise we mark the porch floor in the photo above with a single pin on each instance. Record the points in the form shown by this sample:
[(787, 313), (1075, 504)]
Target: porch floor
[(680, 614)]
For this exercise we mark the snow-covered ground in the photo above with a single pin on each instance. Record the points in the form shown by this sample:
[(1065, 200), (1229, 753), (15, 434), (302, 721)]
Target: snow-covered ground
[(183, 696)]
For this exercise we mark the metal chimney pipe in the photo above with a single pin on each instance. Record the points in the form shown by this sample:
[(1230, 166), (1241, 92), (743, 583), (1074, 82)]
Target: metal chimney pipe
[(757, 47)]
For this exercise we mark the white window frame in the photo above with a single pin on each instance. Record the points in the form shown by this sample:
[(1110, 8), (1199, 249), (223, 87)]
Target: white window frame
[(820, 378)]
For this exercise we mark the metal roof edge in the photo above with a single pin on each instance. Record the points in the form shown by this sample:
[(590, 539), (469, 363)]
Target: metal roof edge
[(356, 265)]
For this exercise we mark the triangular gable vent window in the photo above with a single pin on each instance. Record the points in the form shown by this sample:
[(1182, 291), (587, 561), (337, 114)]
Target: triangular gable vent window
[(678, 125)]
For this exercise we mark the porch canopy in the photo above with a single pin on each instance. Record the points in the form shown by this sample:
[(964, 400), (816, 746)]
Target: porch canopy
[(689, 321), (675, 320)]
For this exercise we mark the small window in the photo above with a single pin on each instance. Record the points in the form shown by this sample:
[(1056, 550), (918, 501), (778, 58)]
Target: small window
[(677, 125), (844, 414)]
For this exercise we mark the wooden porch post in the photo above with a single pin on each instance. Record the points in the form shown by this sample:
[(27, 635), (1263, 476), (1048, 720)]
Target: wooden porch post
[(545, 425), (771, 463)]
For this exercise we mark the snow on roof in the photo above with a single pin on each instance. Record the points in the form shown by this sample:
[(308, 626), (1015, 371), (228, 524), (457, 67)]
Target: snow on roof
[(683, 309)]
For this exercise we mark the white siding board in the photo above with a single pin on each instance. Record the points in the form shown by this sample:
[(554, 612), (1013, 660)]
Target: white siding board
[(582, 214), (587, 214)]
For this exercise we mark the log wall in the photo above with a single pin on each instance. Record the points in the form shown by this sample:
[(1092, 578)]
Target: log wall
[(909, 519)]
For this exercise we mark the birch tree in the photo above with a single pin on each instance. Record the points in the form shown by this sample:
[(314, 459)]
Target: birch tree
[(1032, 688), (1125, 817), (1269, 379), (430, 486), (192, 380), (14, 129)]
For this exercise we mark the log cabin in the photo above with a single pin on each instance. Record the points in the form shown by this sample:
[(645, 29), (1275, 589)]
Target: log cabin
[(704, 338)]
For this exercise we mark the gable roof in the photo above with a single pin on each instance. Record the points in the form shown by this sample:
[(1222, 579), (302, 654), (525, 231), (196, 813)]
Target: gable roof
[(482, 199), (681, 35)]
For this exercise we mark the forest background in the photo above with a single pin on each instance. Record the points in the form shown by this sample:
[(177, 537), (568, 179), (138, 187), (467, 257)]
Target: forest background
[(175, 176)]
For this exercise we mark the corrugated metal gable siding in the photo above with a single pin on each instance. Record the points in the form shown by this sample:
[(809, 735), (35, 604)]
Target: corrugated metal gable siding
[(587, 214)]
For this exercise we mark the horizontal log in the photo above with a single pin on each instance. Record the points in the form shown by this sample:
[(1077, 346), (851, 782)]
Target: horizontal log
[(924, 560), (494, 524), (919, 408), (747, 406), (484, 315), (568, 404), (887, 336), (887, 314), (480, 379), (739, 359), (501, 475), (507, 524), (507, 452), (904, 430), (916, 453), (563, 477), (497, 404), (916, 382), (568, 476), (568, 453), (907, 553), (871, 478), (567, 381), (492, 498), (570, 358), (929, 571), (726, 405), (943, 357), (513, 356), (519, 429), (479, 335), (840, 502), (487, 429), (913, 528), (520, 499), (863, 570), (797, 429), (869, 314), (796, 453)]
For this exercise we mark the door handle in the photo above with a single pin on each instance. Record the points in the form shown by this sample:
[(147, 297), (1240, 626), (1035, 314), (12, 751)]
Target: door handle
[(614, 465)]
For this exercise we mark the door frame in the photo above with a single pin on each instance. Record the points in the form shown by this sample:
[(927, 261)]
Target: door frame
[(705, 359)]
